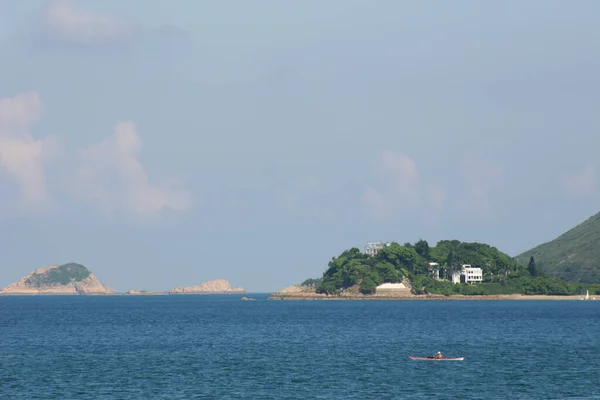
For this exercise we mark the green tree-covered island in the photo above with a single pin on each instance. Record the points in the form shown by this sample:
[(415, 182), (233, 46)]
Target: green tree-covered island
[(435, 272), (566, 267)]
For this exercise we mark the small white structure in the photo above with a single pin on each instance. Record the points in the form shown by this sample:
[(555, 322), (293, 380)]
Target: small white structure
[(435, 270), (587, 296), (372, 248), (392, 289), (468, 274)]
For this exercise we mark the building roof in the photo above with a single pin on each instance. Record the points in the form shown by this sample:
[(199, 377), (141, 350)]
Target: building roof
[(389, 285)]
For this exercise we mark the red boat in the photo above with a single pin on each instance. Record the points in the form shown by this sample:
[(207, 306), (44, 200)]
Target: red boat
[(436, 359)]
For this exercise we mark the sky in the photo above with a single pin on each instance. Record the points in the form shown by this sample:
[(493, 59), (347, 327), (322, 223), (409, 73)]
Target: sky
[(164, 144)]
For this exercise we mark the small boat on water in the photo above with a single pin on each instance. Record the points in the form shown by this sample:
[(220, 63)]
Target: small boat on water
[(436, 359)]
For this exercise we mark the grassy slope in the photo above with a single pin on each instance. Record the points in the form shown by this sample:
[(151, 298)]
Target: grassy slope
[(574, 256)]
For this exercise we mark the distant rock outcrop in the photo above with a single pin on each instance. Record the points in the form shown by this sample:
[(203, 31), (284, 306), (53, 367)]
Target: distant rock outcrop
[(216, 286), (297, 292), (141, 292), (65, 279)]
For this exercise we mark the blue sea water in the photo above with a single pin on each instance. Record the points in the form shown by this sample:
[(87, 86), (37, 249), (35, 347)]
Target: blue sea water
[(218, 347)]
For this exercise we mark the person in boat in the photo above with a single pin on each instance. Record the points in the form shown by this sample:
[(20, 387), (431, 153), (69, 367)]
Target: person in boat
[(438, 355)]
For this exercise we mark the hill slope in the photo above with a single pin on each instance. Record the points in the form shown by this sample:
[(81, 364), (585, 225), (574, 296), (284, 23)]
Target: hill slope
[(65, 279), (573, 256)]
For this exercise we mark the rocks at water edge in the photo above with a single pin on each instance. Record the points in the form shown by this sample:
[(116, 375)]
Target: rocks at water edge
[(69, 278), (141, 293), (217, 286)]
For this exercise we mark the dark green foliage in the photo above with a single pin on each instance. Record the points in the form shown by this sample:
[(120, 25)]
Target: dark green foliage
[(422, 249), (311, 282), (573, 256), (533, 271), (454, 253), (368, 285), (423, 284), (62, 275)]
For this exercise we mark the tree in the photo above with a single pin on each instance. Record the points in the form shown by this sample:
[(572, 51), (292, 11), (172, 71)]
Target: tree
[(531, 267), (368, 286), (401, 257), (422, 249)]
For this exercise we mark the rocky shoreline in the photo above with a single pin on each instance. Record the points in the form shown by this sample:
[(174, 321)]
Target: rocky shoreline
[(297, 292), (427, 297)]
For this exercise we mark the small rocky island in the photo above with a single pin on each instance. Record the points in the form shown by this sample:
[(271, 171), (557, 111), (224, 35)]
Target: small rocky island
[(217, 286), (69, 278)]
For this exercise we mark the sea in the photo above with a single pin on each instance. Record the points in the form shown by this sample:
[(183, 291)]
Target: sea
[(220, 347)]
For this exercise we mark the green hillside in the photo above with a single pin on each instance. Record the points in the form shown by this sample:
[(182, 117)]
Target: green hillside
[(61, 275), (573, 256)]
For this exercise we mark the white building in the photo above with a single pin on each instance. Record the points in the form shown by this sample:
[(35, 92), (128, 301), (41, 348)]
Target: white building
[(468, 274), (372, 248)]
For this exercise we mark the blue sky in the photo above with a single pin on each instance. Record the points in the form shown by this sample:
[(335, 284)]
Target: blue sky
[(168, 143)]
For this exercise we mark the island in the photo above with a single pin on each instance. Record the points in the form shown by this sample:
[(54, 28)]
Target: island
[(450, 270), (217, 286), (69, 278)]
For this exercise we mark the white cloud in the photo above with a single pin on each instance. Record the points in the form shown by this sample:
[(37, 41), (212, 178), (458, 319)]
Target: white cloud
[(108, 175), (580, 183), (111, 177), (403, 175), (400, 188), (378, 204), (22, 158), (64, 21), (20, 110)]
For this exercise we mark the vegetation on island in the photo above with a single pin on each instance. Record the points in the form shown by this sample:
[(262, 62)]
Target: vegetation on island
[(61, 275), (502, 274), (573, 256), (311, 282)]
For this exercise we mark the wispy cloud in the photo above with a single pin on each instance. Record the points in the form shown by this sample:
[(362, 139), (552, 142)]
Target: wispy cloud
[(110, 176), (22, 109), (378, 204), (579, 183), (22, 157), (66, 22), (401, 188)]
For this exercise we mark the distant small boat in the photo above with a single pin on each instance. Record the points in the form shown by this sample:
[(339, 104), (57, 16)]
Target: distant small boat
[(436, 359)]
